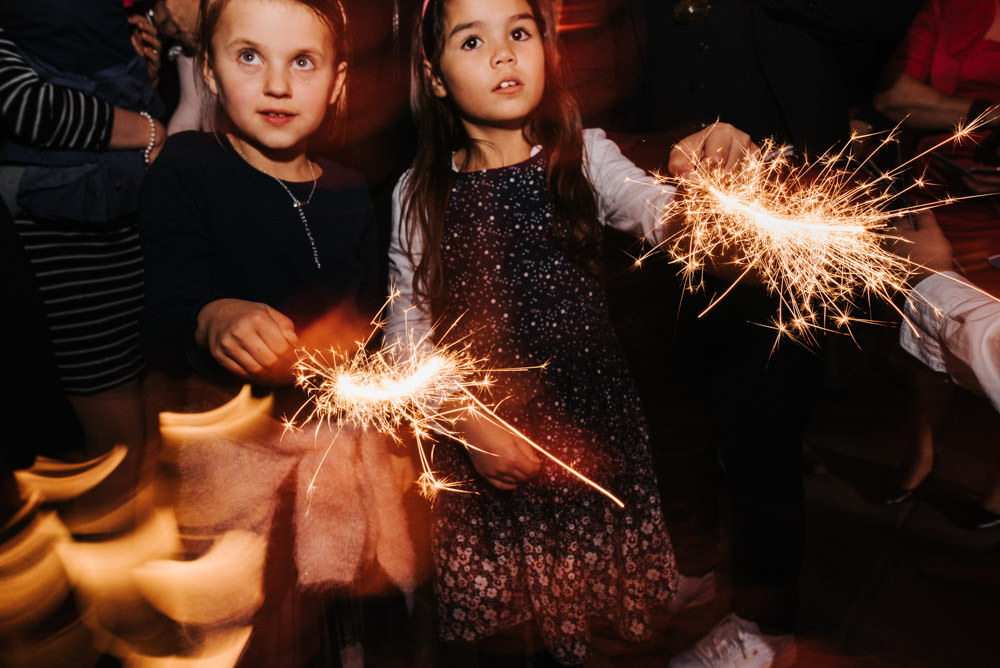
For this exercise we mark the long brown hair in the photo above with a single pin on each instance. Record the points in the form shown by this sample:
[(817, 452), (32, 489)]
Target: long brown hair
[(554, 124), (330, 12)]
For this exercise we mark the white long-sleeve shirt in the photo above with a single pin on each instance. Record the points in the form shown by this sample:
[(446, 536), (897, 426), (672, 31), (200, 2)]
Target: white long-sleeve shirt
[(958, 332), (628, 199)]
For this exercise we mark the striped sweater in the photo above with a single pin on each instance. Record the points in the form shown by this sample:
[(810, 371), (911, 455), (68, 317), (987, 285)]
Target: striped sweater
[(40, 114)]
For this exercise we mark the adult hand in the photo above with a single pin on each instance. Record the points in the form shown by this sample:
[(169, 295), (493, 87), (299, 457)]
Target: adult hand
[(249, 339), (928, 247), (720, 143), (503, 459), (146, 41)]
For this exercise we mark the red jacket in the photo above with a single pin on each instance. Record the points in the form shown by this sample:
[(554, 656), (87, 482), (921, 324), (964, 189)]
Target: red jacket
[(941, 37)]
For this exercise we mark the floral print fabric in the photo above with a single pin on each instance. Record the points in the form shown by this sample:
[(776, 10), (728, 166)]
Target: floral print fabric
[(555, 550)]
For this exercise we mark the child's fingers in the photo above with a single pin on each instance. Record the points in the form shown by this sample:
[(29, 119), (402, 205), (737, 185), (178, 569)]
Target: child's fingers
[(270, 343), (726, 145), (518, 473), (249, 354), (720, 143), (527, 464), (733, 154), (284, 325), (256, 342), (501, 483), (229, 364), (685, 153)]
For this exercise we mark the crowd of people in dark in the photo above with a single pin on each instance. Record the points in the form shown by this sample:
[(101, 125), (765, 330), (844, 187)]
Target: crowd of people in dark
[(198, 192)]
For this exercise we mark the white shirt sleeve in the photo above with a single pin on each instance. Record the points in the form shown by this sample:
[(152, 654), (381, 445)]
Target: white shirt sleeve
[(958, 332), (628, 198), (406, 322)]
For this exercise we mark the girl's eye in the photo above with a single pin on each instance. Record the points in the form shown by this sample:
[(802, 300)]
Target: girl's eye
[(303, 63), (519, 34), (248, 57), (471, 43)]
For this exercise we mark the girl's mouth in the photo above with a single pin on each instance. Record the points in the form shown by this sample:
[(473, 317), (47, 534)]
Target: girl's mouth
[(508, 85), (277, 117)]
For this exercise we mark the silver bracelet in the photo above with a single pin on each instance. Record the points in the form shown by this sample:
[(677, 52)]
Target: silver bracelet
[(152, 137)]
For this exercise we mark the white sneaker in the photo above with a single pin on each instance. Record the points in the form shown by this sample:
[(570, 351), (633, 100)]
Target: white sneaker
[(735, 643)]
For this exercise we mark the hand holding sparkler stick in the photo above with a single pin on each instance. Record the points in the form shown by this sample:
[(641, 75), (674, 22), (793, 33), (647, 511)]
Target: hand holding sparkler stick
[(812, 232), (720, 144), (502, 458), (249, 339)]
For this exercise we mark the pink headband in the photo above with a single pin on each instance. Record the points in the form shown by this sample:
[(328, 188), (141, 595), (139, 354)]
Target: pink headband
[(423, 12)]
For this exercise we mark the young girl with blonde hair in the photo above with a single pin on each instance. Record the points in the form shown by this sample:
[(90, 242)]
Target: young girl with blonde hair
[(250, 240)]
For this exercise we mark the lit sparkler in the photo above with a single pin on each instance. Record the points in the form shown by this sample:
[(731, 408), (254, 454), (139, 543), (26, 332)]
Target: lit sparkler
[(417, 386), (813, 233)]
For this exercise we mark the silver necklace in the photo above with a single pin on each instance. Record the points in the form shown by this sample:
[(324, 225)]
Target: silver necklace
[(296, 204), (299, 206)]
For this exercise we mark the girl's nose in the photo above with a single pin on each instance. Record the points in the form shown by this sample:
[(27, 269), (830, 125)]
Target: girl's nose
[(503, 56), (276, 83)]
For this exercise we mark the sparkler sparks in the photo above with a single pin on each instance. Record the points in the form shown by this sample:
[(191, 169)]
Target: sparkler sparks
[(813, 233), (414, 386)]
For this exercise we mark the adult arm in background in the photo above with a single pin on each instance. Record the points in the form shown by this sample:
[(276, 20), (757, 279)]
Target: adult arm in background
[(920, 106), (955, 327), (37, 113), (910, 94), (178, 20)]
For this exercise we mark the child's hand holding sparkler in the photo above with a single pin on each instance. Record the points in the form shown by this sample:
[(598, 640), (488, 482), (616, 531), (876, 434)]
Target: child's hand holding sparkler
[(812, 232), (498, 455), (719, 143), (249, 339), (718, 148)]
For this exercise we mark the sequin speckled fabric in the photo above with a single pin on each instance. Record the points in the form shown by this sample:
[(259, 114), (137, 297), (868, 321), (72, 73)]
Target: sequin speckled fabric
[(554, 550)]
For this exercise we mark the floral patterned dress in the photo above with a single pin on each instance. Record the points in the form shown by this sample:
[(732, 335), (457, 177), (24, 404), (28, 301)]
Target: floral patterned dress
[(554, 550)]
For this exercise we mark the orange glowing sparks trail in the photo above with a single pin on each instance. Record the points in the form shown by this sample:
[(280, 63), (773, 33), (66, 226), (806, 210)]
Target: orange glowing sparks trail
[(416, 386), (814, 234)]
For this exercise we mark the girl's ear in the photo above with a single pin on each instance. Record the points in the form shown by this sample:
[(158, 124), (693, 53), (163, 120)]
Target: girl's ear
[(209, 76), (340, 76), (437, 83)]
